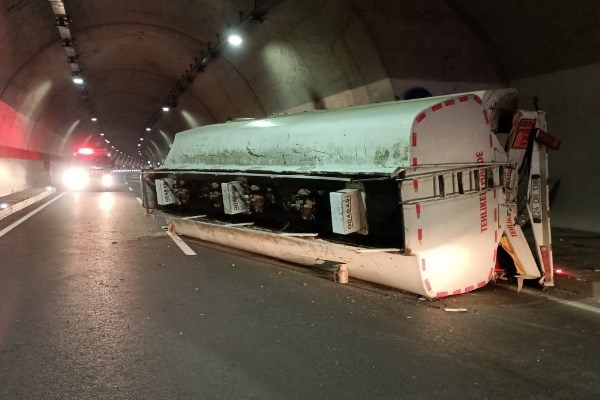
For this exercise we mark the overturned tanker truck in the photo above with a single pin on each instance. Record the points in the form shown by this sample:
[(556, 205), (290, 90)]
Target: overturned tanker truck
[(417, 195)]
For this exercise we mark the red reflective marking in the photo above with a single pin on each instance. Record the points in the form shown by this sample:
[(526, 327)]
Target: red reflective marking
[(436, 107), (469, 288), (495, 251), (485, 115), (495, 193), (426, 281), (414, 139), (462, 99), (491, 141), (481, 284), (449, 102), (496, 236), (457, 291), (477, 99), (420, 234), (423, 268), (546, 260), (414, 162), (416, 185), (495, 215), (421, 117), (418, 209), (441, 294)]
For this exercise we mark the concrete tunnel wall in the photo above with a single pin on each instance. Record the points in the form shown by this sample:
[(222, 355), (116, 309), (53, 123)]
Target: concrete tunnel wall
[(570, 97), (306, 55)]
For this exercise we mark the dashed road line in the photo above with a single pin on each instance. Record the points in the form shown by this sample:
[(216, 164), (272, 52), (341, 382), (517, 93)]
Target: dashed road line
[(182, 245)]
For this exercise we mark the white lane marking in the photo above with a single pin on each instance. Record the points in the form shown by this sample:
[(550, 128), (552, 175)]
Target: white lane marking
[(31, 214), (139, 200), (130, 189), (576, 304), (182, 245), (569, 303)]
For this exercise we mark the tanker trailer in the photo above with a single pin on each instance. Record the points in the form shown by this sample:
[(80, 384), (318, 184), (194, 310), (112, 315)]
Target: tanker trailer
[(414, 195)]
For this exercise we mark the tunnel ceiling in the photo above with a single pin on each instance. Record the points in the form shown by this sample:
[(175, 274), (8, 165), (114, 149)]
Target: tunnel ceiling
[(137, 55)]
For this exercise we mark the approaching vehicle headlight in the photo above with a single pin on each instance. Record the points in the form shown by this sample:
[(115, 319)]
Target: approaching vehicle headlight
[(76, 179), (107, 180)]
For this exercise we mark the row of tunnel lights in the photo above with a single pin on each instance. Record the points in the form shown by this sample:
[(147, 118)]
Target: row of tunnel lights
[(233, 39)]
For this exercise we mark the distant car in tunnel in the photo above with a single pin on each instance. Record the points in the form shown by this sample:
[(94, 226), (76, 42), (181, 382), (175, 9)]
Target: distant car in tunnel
[(91, 169)]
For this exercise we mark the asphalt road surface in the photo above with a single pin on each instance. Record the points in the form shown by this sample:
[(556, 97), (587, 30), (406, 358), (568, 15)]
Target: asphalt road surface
[(98, 302)]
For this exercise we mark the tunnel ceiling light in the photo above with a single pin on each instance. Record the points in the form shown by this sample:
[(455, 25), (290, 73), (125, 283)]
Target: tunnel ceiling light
[(94, 119), (234, 39), (139, 145), (142, 138), (165, 108), (148, 129), (107, 141), (78, 80), (102, 134)]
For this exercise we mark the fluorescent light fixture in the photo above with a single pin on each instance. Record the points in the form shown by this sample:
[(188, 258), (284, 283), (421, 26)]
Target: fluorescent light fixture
[(141, 138), (165, 108), (139, 145), (102, 134), (78, 80), (94, 119), (107, 141), (234, 39), (148, 129)]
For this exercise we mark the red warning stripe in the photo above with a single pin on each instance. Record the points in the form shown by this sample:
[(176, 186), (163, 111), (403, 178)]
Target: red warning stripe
[(436, 107), (423, 267), (494, 258), (457, 291), (449, 102), (414, 161), (426, 281), (420, 234), (462, 99), (421, 117), (416, 185), (485, 115), (441, 294), (477, 99), (495, 215), (469, 288), (491, 141), (418, 209), (414, 139), (491, 273), (481, 284), (496, 236)]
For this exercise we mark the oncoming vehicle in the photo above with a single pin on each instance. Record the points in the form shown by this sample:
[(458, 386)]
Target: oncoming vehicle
[(91, 169)]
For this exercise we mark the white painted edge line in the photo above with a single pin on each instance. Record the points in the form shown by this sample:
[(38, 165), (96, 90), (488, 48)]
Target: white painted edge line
[(25, 203), (575, 304), (569, 303), (139, 200), (182, 245), (31, 214)]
